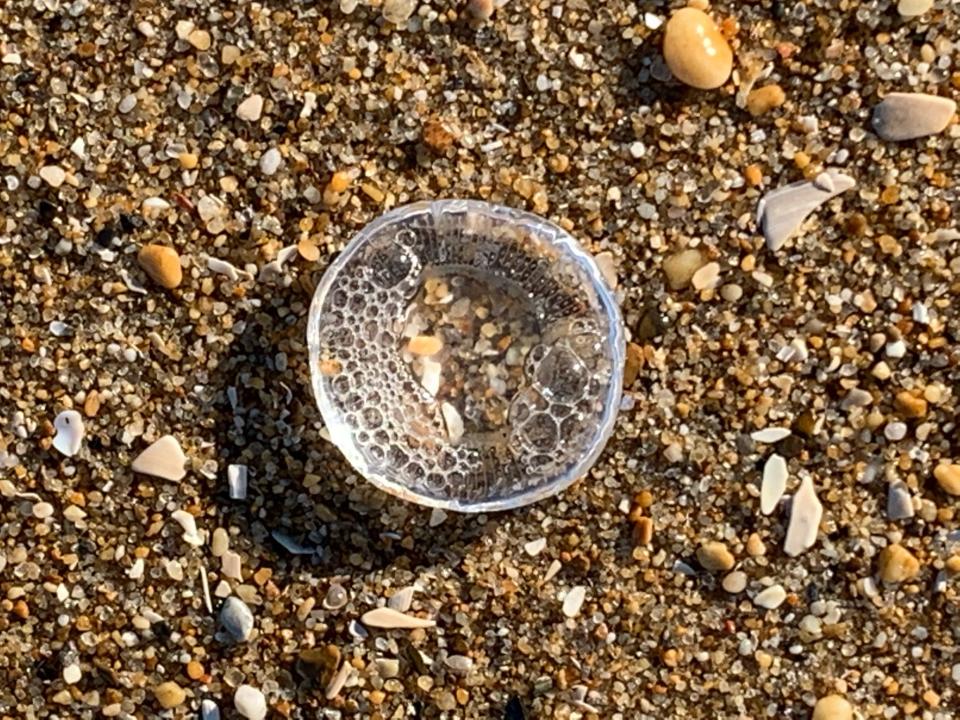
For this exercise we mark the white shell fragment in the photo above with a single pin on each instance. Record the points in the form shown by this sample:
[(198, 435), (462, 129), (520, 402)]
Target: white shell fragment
[(770, 598), (338, 681), (905, 116), (453, 421), (774, 483), (237, 480), (402, 599), (573, 600), (189, 525), (770, 435), (805, 517), (164, 459), (781, 212), (390, 619), (535, 547), (222, 267), (250, 703), (899, 502), (69, 437)]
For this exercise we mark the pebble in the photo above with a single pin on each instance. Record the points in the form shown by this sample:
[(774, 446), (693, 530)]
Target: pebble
[(390, 619), (460, 664), (437, 517), (127, 103), (535, 547), (481, 9), (200, 39), (336, 597), (169, 695), (42, 510), (398, 11), (695, 50), (913, 8), (755, 546), (236, 618), (209, 710), (895, 431), (774, 483), (910, 405), (735, 582), (832, 707), (782, 212), (715, 556), (220, 543), (251, 108), (947, 476), (53, 175), (681, 267), (762, 100), (163, 459), (905, 116), (770, 435), (162, 264), (237, 481), (250, 702), (805, 513), (706, 277), (402, 599), (270, 161), (70, 432), (897, 564), (899, 502), (573, 600), (770, 598), (72, 674)]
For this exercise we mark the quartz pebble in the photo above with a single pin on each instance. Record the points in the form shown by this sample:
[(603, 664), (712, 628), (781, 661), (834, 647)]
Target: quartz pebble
[(832, 707), (899, 502), (270, 161), (947, 476), (913, 8), (897, 564), (390, 619), (681, 267), (774, 483), (237, 619), (162, 264), (573, 600), (781, 212), (715, 556), (481, 9), (169, 695), (762, 100), (163, 459), (70, 432), (52, 175), (251, 108), (706, 277), (735, 582), (695, 50), (770, 598), (398, 11), (906, 116), (805, 513), (250, 703)]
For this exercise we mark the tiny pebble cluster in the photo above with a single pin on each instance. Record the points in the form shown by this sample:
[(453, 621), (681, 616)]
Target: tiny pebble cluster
[(773, 530)]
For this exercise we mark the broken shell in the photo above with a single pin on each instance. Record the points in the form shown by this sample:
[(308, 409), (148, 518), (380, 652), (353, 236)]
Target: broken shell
[(70, 432)]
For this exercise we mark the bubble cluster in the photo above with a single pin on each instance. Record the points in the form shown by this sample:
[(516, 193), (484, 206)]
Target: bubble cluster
[(398, 434)]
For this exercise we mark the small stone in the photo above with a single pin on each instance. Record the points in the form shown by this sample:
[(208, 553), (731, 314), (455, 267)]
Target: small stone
[(573, 601), (832, 707), (895, 431), (72, 674), (753, 174), (169, 695), (195, 670), (237, 619), (774, 483), (250, 702), (425, 345), (535, 547), (398, 11), (770, 435), (695, 50), (251, 108), (70, 432), (899, 502), (805, 514), (42, 510), (209, 710), (913, 8), (220, 543), (910, 405), (188, 161), (270, 161), (390, 619), (681, 267), (947, 476), (200, 39), (896, 564), (755, 546), (715, 556), (481, 9), (53, 175), (163, 459), (162, 264), (905, 116), (706, 277), (735, 582), (189, 525), (632, 364), (771, 598), (762, 100), (402, 599), (127, 103)]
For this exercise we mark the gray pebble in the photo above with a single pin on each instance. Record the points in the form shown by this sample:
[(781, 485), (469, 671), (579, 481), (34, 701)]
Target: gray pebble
[(209, 710), (899, 502), (270, 161), (905, 116), (236, 619)]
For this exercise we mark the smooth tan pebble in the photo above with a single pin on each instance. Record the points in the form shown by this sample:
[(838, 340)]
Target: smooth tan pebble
[(832, 707), (162, 264), (695, 50)]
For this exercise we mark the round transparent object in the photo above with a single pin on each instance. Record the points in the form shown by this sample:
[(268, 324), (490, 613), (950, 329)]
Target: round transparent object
[(522, 394)]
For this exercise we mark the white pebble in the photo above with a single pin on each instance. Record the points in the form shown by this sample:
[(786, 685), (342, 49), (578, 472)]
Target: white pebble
[(535, 547), (163, 459), (250, 703), (270, 161), (805, 514), (70, 432), (774, 483), (402, 599), (72, 674), (128, 103), (189, 525), (770, 435), (237, 481), (895, 431), (53, 175), (771, 598), (251, 108), (573, 600)]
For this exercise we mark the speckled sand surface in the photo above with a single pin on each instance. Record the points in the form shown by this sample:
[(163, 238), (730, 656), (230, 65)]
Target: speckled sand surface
[(654, 588)]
